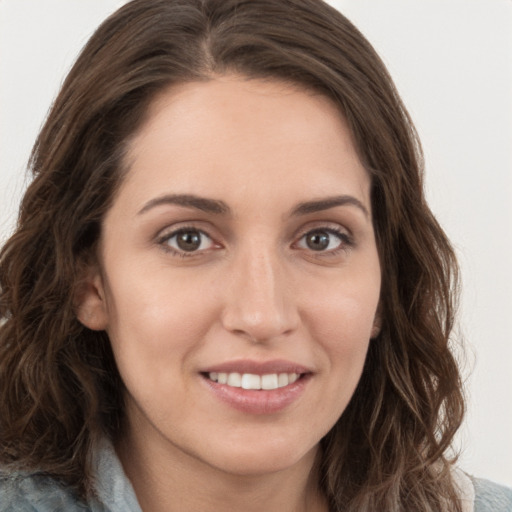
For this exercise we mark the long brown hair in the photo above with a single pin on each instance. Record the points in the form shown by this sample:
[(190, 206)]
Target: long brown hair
[(59, 387)]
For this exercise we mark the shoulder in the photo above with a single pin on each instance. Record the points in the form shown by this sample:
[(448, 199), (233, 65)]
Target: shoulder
[(35, 493), (491, 497), (480, 495)]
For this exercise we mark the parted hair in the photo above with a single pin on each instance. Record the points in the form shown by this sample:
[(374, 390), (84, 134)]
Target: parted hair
[(59, 387)]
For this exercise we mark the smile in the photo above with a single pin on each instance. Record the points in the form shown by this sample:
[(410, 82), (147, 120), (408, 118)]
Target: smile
[(258, 387), (266, 382)]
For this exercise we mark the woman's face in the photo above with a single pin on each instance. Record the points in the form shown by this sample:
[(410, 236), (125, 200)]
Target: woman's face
[(239, 253)]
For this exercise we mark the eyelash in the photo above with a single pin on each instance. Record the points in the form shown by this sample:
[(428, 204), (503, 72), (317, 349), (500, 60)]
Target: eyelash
[(346, 241), (164, 239)]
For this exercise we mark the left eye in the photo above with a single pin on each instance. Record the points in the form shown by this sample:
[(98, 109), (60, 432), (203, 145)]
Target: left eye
[(189, 240), (322, 240)]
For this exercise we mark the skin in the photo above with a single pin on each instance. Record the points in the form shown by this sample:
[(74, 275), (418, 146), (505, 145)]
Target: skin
[(254, 289)]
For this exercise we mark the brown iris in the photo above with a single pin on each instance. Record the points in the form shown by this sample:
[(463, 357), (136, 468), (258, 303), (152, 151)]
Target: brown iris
[(317, 240), (189, 240)]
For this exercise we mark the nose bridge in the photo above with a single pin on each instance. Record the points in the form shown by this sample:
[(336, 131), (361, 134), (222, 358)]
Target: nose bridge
[(262, 279), (259, 304)]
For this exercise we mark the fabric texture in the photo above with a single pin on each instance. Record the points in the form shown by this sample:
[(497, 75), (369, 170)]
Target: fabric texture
[(38, 493), (490, 497)]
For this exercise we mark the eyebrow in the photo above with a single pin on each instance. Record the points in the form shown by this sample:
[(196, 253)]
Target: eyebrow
[(220, 207), (189, 201), (327, 203)]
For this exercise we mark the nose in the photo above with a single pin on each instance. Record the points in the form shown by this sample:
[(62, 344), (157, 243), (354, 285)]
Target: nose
[(260, 305)]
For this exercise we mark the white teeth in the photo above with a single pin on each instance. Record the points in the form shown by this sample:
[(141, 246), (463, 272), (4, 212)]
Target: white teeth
[(292, 377), (234, 380), (250, 381), (282, 380), (269, 381)]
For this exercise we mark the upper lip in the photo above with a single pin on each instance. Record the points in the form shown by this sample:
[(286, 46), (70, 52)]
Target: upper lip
[(257, 367)]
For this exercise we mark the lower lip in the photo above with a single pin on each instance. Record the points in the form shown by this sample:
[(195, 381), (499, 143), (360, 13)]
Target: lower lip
[(254, 401)]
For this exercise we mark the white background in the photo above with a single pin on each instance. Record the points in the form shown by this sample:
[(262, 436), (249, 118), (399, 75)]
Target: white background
[(452, 63)]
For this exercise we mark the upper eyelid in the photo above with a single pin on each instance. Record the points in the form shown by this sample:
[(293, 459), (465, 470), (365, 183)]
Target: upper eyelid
[(172, 229), (344, 237), (174, 232), (333, 227)]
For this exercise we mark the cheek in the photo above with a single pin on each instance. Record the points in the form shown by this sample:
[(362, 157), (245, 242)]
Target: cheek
[(340, 324), (156, 317), (341, 321), (343, 335), (345, 308)]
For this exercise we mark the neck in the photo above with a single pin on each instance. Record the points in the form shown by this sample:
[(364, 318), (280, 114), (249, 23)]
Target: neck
[(167, 479)]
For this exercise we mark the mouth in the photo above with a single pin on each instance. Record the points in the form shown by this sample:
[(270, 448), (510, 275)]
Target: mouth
[(266, 382), (258, 387)]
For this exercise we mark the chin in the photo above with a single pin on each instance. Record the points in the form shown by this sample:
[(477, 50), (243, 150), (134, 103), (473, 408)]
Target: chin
[(255, 458)]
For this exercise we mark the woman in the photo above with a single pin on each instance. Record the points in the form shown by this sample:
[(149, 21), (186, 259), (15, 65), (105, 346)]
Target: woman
[(226, 289)]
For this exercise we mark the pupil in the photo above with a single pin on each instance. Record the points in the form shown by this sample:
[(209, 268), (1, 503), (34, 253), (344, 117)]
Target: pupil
[(189, 240), (318, 241)]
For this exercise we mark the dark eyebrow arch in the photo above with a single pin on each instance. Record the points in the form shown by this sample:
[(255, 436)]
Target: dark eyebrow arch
[(189, 201), (327, 203)]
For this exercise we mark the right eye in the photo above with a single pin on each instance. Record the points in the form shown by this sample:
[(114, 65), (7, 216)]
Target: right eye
[(186, 241), (324, 240)]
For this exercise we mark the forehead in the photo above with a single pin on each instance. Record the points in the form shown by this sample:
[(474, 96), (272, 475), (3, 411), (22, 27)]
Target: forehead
[(232, 134)]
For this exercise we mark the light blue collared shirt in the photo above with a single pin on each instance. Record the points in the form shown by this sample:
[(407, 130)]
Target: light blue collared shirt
[(37, 493)]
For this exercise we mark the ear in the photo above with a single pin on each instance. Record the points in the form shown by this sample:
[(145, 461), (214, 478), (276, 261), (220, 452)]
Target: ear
[(90, 303), (377, 324)]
